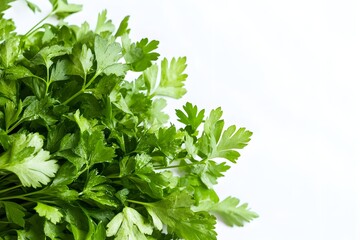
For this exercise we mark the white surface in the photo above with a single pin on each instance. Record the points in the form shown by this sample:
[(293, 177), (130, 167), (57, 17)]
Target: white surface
[(288, 71)]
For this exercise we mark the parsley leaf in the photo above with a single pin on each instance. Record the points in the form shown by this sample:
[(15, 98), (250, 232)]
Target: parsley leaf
[(175, 211), (98, 190), (14, 212), (232, 214), (28, 160), (107, 55), (53, 214), (128, 224), (191, 117), (82, 61), (62, 9), (123, 27), (103, 24), (33, 6), (171, 81), (139, 55), (9, 52), (216, 143)]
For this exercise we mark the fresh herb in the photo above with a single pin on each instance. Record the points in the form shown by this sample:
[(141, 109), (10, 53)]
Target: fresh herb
[(88, 153)]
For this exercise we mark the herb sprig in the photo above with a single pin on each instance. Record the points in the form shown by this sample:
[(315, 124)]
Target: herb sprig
[(86, 153)]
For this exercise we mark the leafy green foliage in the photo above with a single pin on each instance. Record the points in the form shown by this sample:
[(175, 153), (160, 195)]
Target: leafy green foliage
[(175, 211), (171, 80), (86, 153), (62, 9), (28, 160), (53, 214), (231, 213), (128, 224)]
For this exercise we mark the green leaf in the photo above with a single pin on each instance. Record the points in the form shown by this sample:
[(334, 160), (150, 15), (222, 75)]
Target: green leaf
[(158, 224), (55, 232), (9, 51), (191, 117), (82, 61), (107, 55), (103, 24), (139, 55), (116, 69), (175, 212), (232, 139), (157, 117), (65, 175), (172, 78), (35, 8), (128, 224), (200, 226), (209, 171), (12, 113), (105, 86), (34, 229), (62, 9), (8, 91), (89, 150), (95, 148), (59, 71), (168, 141), (46, 54), (232, 214), (28, 160), (78, 221), (98, 190), (123, 27), (7, 26), (39, 109), (14, 212), (4, 5), (53, 214), (82, 122), (150, 77), (216, 143), (18, 72)]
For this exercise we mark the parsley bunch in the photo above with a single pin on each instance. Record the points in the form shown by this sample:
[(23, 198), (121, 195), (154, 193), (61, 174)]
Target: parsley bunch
[(86, 153)]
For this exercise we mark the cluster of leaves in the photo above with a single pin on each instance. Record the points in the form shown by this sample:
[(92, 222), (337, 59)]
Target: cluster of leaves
[(86, 153)]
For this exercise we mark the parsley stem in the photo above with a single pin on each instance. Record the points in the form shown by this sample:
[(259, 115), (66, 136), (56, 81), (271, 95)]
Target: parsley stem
[(22, 196), (138, 202), (10, 188), (14, 126), (35, 27), (17, 197), (40, 78), (177, 166), (82, 90), (48, 82)]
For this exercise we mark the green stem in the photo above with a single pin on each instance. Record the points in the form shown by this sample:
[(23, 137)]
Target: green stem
[(48, 82), (10, 188), (3, 175), (137, 202), (35, 27), (14, 126), (42, 79), (22, 196), (82, 90), (113, 176), (176, 166), (17, 197)]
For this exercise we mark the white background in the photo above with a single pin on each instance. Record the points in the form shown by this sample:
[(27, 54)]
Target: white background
[(287, 70)]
